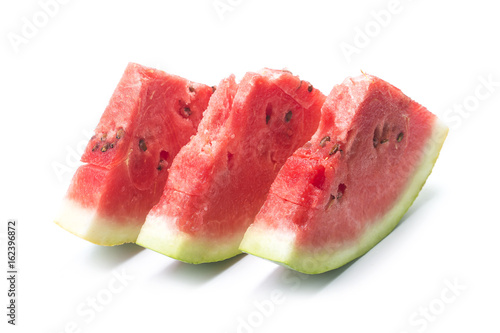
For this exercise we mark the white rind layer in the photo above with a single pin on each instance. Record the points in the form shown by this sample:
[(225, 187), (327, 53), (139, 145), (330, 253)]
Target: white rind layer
[(280, 246), (84, 223), (159, 234)]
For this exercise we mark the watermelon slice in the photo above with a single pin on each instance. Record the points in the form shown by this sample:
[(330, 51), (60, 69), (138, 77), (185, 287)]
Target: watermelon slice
[(151, 115), (347, 188), (219, 181)]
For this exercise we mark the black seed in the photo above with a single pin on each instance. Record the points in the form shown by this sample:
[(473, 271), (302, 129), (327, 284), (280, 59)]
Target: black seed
[(269, 111), (334, 149), (376, 137), (159, 167), (384, 141), (323, 141), (310, 88), (95, 147), (111, 145), (186, 112), (191, 89), (214, 88), (104, 148), (400, 137), (142, 145), (288, 116), (120, 133)]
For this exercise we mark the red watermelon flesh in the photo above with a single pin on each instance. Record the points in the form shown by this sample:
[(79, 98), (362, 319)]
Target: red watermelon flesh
[(348, 187), (150, 116), (219, 180)]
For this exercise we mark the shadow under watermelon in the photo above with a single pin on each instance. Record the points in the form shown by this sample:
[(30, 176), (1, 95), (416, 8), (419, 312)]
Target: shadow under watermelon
[(288, 280), (197, 274), (111, 256)]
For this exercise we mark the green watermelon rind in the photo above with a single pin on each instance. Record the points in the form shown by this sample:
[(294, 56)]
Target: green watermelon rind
[(156, 235), (279, 246), (84, 223)]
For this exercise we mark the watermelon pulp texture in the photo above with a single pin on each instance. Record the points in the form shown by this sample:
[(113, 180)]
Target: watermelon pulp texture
[(150, 116), (348, 187), (220, 179)]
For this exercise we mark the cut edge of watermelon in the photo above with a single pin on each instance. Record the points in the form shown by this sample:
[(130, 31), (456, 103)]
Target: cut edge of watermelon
[(84, 223), (156, 235), (279, 246)]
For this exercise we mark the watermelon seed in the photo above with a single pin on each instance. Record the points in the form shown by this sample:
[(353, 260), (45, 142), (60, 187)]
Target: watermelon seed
[(163, 160), (383, 141), (191, 89), (95, 147), (104, 148), (120, 133), (269, 111), (310, 88), (111, 145), (187, 112), (161, 164), (330, 202), (214, 88), (288, 116), (142, 145), (323, 141), (104, 136), (400, 137), (334, 149), (376, 136)]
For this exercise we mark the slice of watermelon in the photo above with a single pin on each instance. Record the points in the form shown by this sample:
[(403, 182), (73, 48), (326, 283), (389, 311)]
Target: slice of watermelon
[(150, 116), (347, 188), (219, 181)]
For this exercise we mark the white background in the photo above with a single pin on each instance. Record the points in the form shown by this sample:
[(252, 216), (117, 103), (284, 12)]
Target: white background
[(56, 81)]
